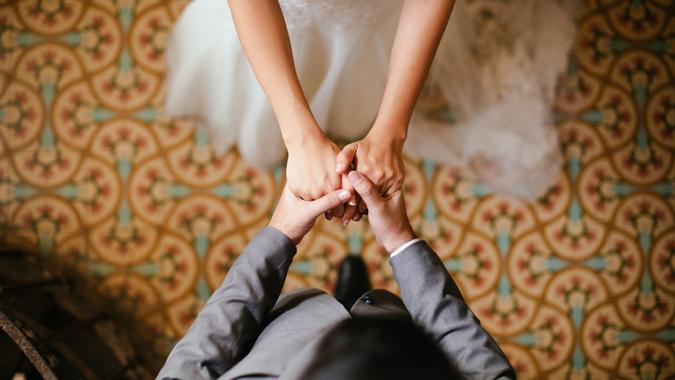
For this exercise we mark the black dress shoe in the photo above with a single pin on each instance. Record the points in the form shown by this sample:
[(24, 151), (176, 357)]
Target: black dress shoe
[(352, 281)]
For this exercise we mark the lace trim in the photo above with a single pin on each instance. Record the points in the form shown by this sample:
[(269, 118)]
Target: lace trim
[(349, 14)]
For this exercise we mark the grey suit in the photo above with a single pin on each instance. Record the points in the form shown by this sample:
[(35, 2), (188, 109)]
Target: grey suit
[(241, 333)]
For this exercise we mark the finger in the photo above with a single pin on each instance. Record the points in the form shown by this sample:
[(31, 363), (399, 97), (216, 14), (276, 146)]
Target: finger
[(349, 213), (316, 194), (348, 186), (329, 201), (338, 211), (343, 160), (391, 188), (304, 196), (288, 195), (365, 189), (357, 215), (363, 209)]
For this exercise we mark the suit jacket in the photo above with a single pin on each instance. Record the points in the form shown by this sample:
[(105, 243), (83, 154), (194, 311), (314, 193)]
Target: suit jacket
[(245, 330)]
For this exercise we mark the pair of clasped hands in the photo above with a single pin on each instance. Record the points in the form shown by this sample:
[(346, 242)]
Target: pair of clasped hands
[(316, 167)]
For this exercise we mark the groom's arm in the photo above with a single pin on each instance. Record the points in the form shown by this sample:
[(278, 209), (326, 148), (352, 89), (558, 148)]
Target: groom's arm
[(231, 320), (428, 291), (435, 303)]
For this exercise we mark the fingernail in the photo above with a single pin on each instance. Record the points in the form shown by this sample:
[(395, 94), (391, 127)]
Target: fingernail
[(344, 195), (352, 202), (339, 167), (329, 215), (354, 176), (344, 222)]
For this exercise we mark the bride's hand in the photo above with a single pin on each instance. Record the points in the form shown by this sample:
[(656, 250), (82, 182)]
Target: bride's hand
[(310, 171), (378, 158)]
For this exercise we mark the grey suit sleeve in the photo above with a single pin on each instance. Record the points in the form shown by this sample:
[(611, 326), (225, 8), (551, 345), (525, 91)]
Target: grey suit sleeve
[(232, 318), (436, 304)]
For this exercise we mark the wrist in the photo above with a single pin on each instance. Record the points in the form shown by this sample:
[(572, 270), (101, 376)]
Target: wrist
[(388, 133), (284, 230), (276, 228), (308, 134), (393, 242)]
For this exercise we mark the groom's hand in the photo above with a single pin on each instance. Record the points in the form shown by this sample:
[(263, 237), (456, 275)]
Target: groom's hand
[(386, 214), (294, 217)]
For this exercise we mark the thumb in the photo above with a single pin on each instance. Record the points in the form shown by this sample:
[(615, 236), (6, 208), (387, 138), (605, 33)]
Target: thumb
[(365, 188), (344, 159), (348, 186), (329, 201)]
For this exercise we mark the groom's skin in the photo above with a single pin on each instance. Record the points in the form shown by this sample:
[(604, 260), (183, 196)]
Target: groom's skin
[(229, 322), (294, 217)]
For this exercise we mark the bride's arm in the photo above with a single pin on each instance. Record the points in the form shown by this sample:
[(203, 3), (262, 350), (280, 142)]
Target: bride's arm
[(378, 155), (262, 32), (263, 35), (419, 32)]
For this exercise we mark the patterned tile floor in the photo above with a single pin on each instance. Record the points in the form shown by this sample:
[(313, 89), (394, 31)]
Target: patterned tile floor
[(580, 284)]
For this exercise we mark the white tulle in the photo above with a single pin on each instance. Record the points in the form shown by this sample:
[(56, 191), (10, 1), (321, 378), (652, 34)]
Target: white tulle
[(494, 73)]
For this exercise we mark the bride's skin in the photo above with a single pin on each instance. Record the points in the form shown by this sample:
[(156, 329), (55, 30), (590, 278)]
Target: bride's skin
[(314, 166)]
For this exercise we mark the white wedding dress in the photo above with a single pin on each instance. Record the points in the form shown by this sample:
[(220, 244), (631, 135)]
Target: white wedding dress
[(486, 107)]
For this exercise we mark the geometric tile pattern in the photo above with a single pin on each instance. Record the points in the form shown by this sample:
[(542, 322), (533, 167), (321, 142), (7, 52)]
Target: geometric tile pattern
[(579, 284)]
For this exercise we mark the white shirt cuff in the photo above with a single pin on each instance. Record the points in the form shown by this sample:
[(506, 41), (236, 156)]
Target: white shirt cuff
[(404, 246)]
